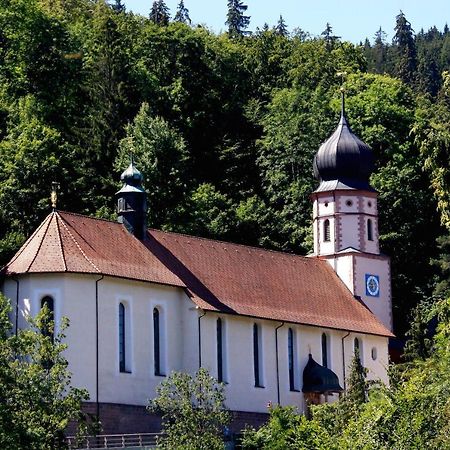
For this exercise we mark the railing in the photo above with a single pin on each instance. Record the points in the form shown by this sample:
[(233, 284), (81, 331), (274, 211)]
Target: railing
[(113, 441)]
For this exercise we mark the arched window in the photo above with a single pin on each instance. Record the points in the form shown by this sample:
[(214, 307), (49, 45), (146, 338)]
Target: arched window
[(257, 354), (157, 342), (220, 350), (369, 230), (292, 358), (122, 338), (48, 325), (326, 231), (324, 350)]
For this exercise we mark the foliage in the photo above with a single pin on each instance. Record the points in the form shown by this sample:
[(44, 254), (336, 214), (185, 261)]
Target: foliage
[(159, 13), (182, 14), (37, 400), (193, 411), (286, 430)]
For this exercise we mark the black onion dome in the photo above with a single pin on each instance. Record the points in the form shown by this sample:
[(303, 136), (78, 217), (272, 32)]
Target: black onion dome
[(343, 160), (132, 176)]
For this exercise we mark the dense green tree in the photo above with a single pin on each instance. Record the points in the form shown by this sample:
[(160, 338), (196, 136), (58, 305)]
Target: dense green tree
[(182, 14), (237, 21), (37, 400), (159, 13), (118, 6), (193, 411), (406, 65), (328, 36), (160, 152), (281, 27)]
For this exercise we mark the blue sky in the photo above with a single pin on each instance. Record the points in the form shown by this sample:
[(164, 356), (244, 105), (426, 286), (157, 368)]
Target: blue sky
[(353, 20)]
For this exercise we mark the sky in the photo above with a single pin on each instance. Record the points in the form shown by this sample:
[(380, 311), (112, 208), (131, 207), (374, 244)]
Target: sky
[(353, 20)]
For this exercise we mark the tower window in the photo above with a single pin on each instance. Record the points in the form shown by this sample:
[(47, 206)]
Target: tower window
[(292, 360), (48, 324), (349, 203), (326, 231), (324, 350), (220, 351), (369, 229), (257, 356)]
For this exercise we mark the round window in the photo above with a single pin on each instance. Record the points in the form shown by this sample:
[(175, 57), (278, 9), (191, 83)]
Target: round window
[(349, 203), (369, 204), (326, 204), (374, 353)]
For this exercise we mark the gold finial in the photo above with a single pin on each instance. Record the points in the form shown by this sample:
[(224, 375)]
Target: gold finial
[(54, 195)]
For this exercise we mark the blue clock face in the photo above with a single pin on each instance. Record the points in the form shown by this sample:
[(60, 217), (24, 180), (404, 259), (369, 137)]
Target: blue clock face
[(372, 285)]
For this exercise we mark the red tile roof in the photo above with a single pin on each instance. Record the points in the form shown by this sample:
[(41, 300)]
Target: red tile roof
[(218, 276), (67, 242)]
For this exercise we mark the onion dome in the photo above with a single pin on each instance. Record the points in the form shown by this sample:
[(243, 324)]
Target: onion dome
[(131, 175), (319, 379), (343, 160)]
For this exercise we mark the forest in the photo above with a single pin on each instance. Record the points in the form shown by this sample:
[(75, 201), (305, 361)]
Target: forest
[(223, 126)]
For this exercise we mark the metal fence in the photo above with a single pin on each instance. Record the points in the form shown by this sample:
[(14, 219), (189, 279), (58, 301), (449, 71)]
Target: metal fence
[(128, 441)]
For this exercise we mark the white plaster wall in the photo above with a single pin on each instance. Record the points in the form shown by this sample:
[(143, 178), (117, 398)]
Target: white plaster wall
[(381, 306), (349, 231), (74, 297), (343, 266)]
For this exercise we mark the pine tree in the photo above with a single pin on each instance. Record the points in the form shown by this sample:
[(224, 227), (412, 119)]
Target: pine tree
[(118, 6), (281, 28), (182, 14), (406, 47), (237, 22), (380, 51), (328, 37), (160, 13)]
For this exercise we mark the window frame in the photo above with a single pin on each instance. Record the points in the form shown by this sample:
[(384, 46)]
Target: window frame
[(327, 230), (257, 356)]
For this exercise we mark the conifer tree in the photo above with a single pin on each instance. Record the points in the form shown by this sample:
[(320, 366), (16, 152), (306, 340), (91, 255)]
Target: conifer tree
[(160, 13), (118, 6), (406, 47), (380, 51), (182, 14), (281, 28), (328, 37), (237, 22)]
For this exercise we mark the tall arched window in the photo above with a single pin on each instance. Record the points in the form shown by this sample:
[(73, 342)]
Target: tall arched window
[(219, 350), (326, 231), (292, 358), (157, 342), (324, 350), (257, 355), (369, 230), (357, 348), (48, 325), (122, 338)]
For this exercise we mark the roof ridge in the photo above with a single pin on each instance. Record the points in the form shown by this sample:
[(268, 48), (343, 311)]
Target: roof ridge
[(40, 243), (87, 217), (218, 241), (77, 244), (25, 244), (61, 247)]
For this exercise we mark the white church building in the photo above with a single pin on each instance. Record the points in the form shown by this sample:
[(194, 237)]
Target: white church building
[(274, 327)]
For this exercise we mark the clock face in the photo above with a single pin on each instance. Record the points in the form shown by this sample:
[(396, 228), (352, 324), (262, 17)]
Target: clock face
[(372, 285)]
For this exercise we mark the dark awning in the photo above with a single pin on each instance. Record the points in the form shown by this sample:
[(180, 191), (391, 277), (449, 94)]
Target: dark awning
[(319, 379)]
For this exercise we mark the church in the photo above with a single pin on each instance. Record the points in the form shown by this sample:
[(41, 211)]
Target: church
[(274, 327)]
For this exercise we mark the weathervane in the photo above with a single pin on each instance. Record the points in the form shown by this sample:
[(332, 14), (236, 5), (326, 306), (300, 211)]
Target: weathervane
[(343, 75), (54, 195)]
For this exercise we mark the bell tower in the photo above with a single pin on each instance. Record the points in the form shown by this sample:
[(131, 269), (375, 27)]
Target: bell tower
[(132, 202), (345, 219)]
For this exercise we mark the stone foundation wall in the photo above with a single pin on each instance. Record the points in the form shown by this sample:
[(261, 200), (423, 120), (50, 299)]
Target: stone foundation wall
[(128, 419)]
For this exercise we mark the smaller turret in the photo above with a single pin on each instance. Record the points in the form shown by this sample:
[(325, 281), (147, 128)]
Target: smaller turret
[(132, 202)]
